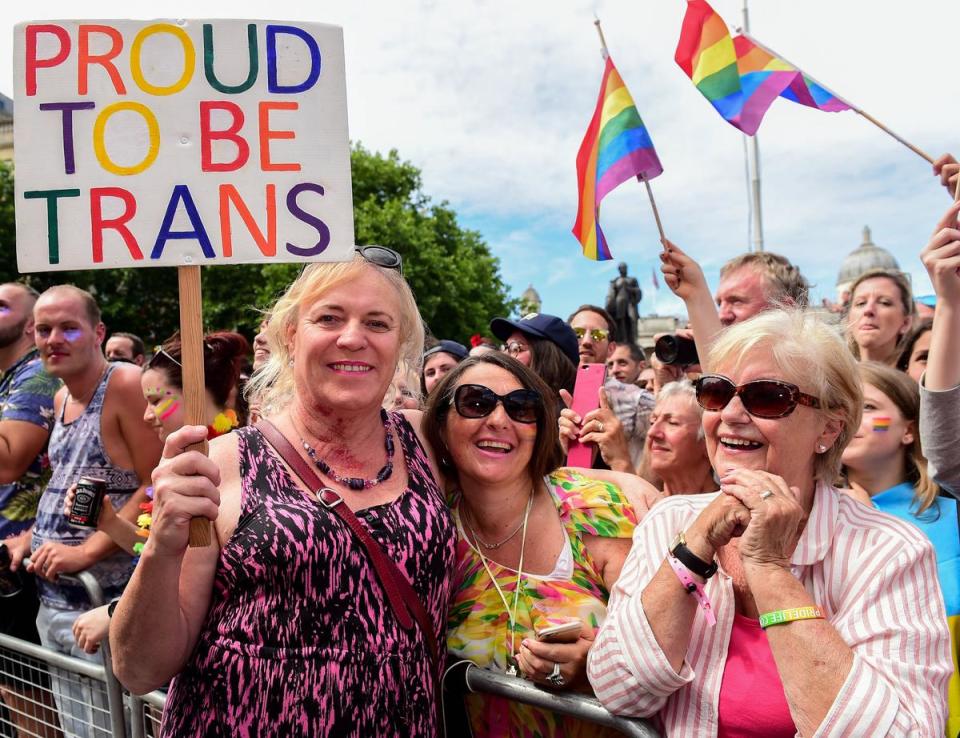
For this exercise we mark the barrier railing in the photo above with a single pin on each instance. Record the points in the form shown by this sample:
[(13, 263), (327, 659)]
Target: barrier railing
[(49, 694), (468, 677)]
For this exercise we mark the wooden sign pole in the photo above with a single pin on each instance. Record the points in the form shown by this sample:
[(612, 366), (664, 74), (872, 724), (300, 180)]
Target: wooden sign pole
[(194, 391)]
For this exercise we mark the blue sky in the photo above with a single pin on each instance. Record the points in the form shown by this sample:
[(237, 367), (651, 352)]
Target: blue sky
[(491, 99)]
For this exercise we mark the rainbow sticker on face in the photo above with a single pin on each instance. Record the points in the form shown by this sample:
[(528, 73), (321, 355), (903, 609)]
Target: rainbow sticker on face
[(72, 334), (881, 425)]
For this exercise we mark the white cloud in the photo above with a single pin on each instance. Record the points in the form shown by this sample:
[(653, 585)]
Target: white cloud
[(491, 100)]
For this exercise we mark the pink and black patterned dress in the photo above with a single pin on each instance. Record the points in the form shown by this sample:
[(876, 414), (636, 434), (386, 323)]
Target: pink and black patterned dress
[(300, 639)]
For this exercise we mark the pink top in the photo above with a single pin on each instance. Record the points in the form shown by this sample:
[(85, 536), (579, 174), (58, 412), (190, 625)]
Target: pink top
[(752, 702)]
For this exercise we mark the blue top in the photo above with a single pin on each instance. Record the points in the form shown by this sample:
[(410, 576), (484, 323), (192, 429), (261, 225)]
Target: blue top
[(26, 394), (939, 523)]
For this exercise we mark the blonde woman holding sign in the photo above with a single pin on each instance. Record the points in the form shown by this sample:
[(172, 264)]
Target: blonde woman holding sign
[(318, 608)]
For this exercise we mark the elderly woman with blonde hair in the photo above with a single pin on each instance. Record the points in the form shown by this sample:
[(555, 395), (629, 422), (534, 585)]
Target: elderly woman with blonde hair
[(777, 606), (300, 618)]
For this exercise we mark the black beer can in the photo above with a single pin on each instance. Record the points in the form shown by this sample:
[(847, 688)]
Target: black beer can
[(86, 502)]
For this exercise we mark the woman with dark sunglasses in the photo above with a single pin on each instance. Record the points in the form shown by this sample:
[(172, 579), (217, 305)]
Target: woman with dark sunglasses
[(290, 622), (778, 606), (538, 547)]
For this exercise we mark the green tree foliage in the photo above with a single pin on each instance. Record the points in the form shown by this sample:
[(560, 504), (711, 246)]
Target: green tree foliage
[(454, 276)]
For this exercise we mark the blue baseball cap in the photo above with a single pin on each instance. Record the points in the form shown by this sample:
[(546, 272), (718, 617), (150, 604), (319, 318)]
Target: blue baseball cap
[(541, 325), (456, 350)]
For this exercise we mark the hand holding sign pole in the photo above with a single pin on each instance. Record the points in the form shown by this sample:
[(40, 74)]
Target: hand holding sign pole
[(172, 133)]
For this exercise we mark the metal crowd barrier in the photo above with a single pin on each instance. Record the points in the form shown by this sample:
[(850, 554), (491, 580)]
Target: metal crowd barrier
[(466, 676), (50, 695)]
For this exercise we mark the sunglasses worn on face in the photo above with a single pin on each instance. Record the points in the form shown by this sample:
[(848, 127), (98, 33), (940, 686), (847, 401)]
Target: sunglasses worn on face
[(477, 401), (382, 257), (597, 334), (762, 398)]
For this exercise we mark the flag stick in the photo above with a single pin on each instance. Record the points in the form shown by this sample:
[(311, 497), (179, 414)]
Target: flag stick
[(956, 191), (603, 41), (194, 393), (859, 111), (653, 204)]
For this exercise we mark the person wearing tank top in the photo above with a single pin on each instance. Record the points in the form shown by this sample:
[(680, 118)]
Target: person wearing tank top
[(100, 433)]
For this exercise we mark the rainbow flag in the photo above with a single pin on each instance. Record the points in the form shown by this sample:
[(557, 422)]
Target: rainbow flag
[(740, 78), (615, 148), (751, 56)]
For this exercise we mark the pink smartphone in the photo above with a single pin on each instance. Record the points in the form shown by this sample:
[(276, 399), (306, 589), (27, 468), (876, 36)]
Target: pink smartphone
[(586, 397)]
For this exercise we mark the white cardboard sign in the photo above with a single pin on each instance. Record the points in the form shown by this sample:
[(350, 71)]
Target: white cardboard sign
[(171, 143)]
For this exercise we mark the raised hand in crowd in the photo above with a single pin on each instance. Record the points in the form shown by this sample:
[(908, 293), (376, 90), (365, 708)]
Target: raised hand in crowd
[(941, 257), (600, 427), (685, 279), (948, 169)]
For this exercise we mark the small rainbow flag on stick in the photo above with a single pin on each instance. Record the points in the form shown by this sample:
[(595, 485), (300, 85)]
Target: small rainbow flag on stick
[(739, 77), (615, 148)]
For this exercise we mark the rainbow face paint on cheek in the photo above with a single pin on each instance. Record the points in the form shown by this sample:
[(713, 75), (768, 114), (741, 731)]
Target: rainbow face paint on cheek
[(881, 425), (167, 408), (72, 334), (4, 309)]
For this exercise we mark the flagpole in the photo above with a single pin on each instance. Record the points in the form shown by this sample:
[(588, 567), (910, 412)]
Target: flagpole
[(656, 213), (753, 165), (653, 203), (859, 111)]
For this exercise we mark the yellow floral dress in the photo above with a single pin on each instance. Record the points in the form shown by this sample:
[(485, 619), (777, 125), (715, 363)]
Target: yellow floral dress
[(478, 627)]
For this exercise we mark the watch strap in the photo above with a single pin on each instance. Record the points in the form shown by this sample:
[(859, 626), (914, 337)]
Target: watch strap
[(690, 560)]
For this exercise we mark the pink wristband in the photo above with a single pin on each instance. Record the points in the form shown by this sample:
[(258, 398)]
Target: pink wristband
[(693, 587)]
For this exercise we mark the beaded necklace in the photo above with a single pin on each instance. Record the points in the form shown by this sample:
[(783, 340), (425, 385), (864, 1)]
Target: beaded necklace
[(358, 483)]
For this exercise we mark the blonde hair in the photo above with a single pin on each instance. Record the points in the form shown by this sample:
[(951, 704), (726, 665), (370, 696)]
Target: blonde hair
[(906, 297), (905, 394), (812, 355), (273, 382)]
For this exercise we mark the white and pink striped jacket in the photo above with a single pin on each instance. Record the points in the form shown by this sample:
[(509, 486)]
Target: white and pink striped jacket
[(874, 576)]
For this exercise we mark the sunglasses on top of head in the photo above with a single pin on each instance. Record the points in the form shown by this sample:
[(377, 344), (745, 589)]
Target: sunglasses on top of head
[(762, 398), (381, 256), (477, 401)]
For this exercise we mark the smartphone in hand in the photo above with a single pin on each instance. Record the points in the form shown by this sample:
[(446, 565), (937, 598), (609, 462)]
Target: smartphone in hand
[(586, 397)]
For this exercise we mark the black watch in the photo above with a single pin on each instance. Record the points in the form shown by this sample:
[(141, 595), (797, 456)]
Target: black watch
[(690, 560), (112, 606)]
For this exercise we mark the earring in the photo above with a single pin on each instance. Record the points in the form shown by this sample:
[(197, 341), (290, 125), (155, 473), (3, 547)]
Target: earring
[(821, 448), (290, 363)]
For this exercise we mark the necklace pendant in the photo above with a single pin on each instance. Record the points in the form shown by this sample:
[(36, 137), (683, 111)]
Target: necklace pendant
[(513, 668)]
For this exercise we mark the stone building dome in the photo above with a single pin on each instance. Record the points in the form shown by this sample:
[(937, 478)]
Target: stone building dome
[(862, 259), (530, 301)]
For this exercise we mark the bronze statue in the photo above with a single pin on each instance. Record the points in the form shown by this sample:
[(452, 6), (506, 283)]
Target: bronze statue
[(622, 299)]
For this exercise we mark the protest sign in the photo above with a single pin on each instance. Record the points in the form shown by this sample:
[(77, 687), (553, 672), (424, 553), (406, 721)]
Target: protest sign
[(170, 143), (186, 143)]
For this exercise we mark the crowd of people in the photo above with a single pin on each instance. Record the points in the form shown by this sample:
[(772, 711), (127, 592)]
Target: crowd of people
[(764, 543)]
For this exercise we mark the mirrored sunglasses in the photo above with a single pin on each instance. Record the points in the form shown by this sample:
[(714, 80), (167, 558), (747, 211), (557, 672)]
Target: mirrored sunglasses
[(597, 334)]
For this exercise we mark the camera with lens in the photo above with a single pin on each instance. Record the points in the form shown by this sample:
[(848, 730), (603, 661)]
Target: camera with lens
[(676, 350)]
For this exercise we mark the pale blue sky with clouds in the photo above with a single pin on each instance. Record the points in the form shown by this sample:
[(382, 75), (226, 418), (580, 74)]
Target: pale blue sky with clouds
[(491, 99)]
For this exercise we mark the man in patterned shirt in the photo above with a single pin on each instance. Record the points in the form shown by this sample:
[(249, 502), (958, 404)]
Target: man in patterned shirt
[(26, 417)]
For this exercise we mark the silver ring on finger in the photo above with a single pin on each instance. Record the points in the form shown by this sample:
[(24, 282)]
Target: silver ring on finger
[(556, 678), (599, 426), (765, 494)]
